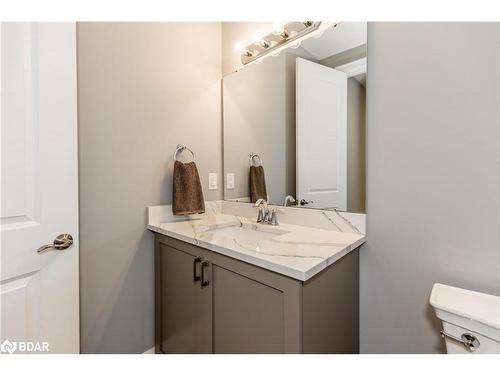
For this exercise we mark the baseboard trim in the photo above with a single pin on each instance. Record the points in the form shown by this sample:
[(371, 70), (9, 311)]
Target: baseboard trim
[(150, 351)]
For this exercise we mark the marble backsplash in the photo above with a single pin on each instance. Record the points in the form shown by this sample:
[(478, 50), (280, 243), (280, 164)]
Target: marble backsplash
[(322, 219)]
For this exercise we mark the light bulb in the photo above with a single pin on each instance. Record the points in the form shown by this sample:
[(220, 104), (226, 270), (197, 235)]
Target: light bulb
[(257, 37), (240, 47), (278, 27)]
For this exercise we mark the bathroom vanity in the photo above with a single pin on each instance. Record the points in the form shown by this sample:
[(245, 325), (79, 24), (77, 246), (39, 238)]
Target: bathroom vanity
[(225, 284)]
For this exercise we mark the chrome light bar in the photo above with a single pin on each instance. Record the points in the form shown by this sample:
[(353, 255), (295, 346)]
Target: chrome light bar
[(274, 40)]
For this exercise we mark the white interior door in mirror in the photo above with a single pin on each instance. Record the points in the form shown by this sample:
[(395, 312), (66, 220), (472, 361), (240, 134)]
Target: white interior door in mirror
[(39, 293), (321, 131)]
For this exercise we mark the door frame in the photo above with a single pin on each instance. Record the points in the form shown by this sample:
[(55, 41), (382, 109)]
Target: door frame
[(354, 68)]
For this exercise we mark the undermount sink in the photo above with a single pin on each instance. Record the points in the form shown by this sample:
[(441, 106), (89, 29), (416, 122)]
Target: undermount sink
[(248, 235)]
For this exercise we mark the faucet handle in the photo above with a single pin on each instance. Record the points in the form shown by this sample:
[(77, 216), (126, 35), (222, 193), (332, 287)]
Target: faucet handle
[(260, 201)]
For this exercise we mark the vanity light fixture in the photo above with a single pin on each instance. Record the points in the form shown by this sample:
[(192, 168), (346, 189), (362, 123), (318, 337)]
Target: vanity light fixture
[(282, 34), (257, 39), (279, 29), (264, 43), (241, 48)]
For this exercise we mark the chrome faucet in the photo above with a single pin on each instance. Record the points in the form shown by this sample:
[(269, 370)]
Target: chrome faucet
[(265, 215), (263, 212), (291, 199)]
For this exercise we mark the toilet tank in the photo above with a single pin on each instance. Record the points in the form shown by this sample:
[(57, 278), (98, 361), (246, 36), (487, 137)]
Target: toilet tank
[(467, 316)]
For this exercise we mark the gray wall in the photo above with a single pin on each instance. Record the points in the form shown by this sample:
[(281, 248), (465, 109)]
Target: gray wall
[(142, 88), (356, 103), (432, 176), (255, 120)]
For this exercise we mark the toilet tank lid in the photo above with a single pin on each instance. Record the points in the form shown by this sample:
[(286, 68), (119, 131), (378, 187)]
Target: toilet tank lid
[(481, 307)]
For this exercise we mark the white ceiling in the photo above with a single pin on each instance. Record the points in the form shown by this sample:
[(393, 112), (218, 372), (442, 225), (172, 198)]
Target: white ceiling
[(335, 40)]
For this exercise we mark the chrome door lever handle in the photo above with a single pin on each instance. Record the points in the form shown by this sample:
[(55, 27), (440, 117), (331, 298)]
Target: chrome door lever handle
[(62, 242)]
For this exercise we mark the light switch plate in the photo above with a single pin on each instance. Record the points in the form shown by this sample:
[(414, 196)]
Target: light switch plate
[(230, 181), (212, 181)]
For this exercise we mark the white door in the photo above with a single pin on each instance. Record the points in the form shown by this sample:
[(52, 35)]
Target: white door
[(39, 292), (321, 130)]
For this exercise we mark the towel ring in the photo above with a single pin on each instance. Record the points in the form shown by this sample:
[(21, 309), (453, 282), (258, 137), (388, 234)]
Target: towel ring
[(181, 148), (252, 159)]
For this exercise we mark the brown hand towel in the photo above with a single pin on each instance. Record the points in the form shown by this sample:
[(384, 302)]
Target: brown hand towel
[(257, 183), (187, 195)]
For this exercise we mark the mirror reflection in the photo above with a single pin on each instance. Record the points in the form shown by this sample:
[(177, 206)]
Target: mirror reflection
[(294, 124)]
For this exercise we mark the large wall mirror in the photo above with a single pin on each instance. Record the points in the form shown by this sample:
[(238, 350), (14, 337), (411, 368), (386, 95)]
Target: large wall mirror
[(294, 124)]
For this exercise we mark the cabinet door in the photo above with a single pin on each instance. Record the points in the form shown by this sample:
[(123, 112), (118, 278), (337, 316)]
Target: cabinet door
[(254, 310), (184, 313)]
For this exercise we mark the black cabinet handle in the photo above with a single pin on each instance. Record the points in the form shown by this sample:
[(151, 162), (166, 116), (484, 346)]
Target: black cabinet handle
[(195, 275), (203, 281)]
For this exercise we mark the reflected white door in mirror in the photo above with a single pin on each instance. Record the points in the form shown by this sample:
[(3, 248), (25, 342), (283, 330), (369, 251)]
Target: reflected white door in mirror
[(321, 105)]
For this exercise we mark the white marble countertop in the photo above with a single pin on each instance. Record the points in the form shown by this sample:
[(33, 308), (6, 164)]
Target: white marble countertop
[(296, 251)]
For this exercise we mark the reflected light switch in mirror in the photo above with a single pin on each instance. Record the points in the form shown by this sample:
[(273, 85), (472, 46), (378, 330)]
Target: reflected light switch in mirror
[(230, 181), (212, 181)]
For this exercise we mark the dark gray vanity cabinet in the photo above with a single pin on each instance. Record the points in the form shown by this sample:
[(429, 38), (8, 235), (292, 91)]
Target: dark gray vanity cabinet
[(210, 303), (185, 307)]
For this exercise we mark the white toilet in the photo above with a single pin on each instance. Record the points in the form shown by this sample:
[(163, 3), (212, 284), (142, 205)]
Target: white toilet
[(471, 320)]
